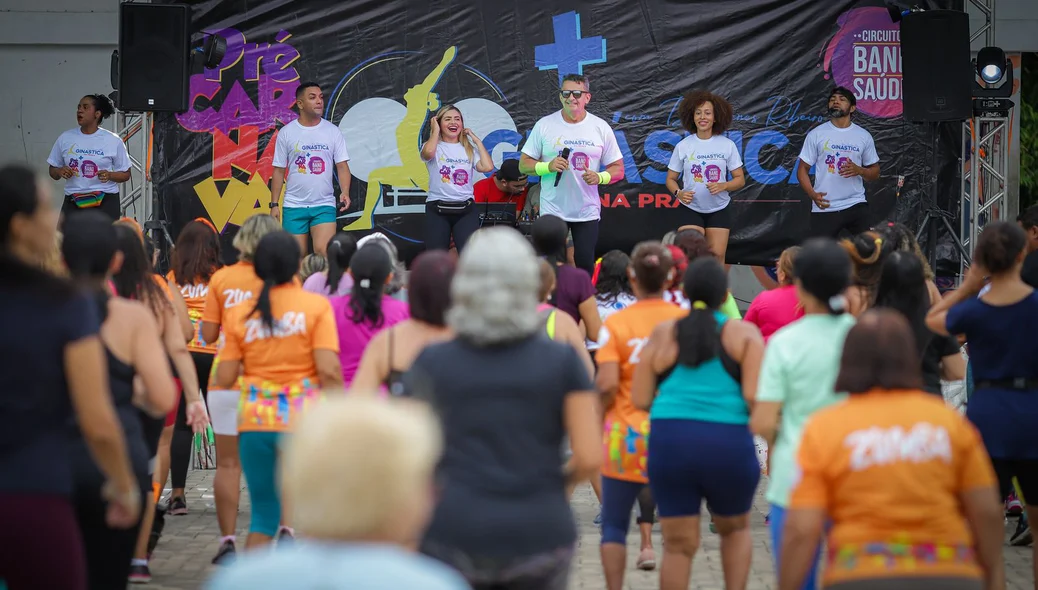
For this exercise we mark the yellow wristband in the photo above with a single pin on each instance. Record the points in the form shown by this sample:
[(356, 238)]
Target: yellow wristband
[(542, 169), (604, 178)]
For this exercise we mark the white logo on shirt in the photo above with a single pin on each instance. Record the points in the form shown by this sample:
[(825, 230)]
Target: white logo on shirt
[(636, 344), (873, 447), (235, 297), (195, 291), (291, 324)]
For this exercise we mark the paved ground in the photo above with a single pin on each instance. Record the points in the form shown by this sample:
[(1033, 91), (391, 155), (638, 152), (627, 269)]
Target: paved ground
[(181, 561)]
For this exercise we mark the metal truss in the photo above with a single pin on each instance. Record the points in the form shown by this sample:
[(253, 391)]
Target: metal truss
[(985, 151), (135, 196)]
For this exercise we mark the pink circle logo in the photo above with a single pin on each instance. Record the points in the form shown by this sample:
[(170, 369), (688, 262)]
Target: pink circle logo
[(865, 56), (88, 168), (316, 165), (841, 162), (713, 173), (581, 161), (461, 177)]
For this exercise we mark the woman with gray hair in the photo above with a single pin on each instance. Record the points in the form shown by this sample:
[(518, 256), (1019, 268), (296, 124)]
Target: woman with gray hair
[(507, 396)]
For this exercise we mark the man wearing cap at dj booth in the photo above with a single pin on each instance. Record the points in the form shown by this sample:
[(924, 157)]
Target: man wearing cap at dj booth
[(507, 185)]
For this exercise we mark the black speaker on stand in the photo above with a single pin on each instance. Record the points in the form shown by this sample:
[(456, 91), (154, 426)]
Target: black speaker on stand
[(937, 80), (153, 61)]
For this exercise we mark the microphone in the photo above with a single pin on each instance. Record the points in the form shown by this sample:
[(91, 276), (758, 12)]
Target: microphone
[(563, 154)]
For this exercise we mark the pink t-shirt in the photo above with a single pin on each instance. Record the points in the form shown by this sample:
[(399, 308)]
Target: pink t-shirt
[(318, 283), (354, 338), (771, 310)]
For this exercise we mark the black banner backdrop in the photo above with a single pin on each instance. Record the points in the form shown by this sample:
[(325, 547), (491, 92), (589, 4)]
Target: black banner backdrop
[(385, 64)]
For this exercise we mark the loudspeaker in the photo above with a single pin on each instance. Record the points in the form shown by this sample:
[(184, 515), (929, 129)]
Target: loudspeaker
[(937, 72), (154, 43)]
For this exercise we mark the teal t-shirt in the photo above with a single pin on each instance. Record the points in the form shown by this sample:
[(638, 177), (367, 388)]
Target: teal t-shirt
[(799, 370)]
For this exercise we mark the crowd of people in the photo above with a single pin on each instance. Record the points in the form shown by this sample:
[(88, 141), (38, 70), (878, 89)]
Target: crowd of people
[(425, 427)]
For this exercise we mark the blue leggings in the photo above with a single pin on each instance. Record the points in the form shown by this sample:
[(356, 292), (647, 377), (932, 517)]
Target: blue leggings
[(259, 462), (618, 499), (776, 522)]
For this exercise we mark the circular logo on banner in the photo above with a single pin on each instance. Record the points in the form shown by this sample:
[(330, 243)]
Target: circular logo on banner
[(865, 56), (88, 168), (316, 165)]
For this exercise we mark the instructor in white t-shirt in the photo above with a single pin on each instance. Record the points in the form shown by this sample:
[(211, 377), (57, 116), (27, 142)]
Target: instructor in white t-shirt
[(844, 155), (453, 154), (92, 161), (703, 161), (592, 147), (305, 153)]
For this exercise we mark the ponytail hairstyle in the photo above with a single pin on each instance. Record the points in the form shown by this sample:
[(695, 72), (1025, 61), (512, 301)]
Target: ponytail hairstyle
[(341, 249), (371, 267), (903, 240), (548, 236), (19, 196), (706, 286), (823, 271), (88, 247), (902, 288), (652, 267), (998, 247), (462, 138), (103, 105), (276, 263), (785, 264), (612, 277), (868, 250), (136, 277)]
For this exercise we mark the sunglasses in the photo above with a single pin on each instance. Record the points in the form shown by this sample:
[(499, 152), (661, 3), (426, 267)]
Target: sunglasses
[(573, 93)]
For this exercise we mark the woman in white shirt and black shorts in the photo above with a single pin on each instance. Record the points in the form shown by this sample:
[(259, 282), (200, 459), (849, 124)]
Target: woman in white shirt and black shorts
[(703, 161), (92, 160), (450, 154)]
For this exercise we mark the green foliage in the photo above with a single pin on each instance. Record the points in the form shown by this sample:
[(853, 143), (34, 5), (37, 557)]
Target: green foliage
[(1029, 131)]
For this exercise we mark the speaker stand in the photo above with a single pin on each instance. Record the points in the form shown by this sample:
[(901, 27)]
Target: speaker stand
[(935, 214)]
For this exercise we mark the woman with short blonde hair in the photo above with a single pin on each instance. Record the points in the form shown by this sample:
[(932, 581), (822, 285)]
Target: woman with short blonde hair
[(359, 473)]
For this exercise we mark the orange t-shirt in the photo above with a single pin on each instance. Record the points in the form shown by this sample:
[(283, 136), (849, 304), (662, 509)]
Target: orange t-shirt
[(280, 376), (625, 435), (195, 296), (888, 468), (229, 287)]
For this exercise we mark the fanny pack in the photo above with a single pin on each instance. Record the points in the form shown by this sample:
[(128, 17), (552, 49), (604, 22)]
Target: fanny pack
[(87, 200), (453, 207)]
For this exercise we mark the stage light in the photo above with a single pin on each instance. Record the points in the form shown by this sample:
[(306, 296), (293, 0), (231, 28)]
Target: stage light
[(897, 12), (992, 64)]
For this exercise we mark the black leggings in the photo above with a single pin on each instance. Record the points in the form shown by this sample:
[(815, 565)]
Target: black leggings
[(108, 550), (439, 228), (40, 544), (585, 238), (183, 436)]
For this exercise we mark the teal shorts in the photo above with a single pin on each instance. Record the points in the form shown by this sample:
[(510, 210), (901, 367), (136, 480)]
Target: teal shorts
[(299, 220)]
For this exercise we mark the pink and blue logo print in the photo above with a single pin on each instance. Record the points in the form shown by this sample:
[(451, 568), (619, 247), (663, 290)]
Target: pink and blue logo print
[(865, 56)]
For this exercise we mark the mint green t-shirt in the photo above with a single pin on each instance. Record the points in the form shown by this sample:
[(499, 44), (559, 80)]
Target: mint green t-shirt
[(799, 370)]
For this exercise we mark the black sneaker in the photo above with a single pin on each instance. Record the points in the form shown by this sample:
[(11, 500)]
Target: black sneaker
[(1022, 536), (177, 506), (139, 574), (225, 554), (156, 528)]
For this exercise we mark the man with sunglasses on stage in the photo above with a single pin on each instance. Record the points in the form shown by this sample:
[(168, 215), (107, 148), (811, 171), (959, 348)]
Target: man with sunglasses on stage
[(573, 152)]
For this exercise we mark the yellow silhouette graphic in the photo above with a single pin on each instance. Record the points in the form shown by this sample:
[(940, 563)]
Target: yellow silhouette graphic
[(420, 101)]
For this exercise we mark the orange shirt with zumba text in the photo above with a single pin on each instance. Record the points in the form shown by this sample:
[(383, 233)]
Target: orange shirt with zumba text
[(625, 434), (280, 376), (195, 296), (888, 468), (230, 287)]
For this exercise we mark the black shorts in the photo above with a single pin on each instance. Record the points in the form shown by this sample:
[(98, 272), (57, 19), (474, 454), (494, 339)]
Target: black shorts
[(853, 220), (1026, 473), (717, 220), (110, 206)]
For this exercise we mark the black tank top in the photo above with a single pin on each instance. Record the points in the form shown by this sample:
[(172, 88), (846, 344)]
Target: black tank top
[(394, 381)]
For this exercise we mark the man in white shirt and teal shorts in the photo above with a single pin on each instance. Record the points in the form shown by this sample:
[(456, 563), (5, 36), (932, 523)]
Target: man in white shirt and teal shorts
[(844, 155), (308, 153)]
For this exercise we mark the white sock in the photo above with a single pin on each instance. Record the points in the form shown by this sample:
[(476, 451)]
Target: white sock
[(228, 539), (136, 561)]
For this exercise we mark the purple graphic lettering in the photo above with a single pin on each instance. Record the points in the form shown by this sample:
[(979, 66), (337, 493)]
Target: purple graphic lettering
[(461, 177), (697, 172), (301, 163), (713, 173), (316, 165), (580, 161), (276, 82), (445, 173), (74, 165), (89, 168), (840, 162)]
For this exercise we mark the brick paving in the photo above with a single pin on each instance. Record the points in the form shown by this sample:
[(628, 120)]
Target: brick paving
[(189, 542)]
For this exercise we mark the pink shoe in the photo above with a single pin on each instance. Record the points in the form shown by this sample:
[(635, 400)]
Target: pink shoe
[(1013, 505), (647, 560)]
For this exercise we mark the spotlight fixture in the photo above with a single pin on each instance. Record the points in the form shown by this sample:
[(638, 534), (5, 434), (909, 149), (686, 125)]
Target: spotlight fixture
[(211, 53), (995, 70), (897, 12)]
